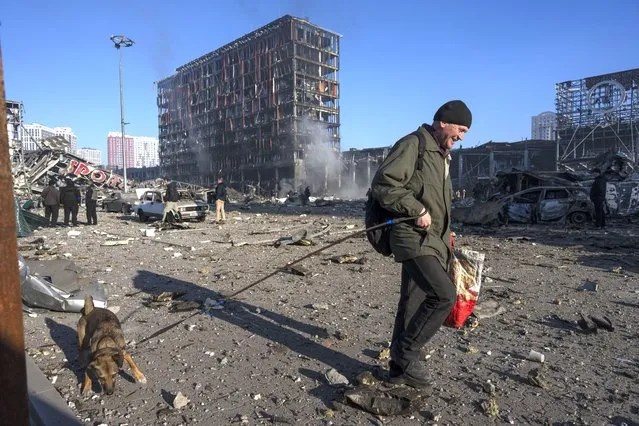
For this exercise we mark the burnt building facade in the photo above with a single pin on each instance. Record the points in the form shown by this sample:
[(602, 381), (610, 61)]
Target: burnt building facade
[(262, 109), (469, 166)]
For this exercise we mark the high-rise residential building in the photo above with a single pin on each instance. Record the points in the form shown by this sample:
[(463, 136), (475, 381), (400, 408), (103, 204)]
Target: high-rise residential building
[(34, 133), (67, 133), (145, 149), (114, 150), (544, 126), (141, 151), (92, 155), (262, 108)]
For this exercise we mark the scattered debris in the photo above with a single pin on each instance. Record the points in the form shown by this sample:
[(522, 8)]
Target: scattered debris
[(489, 387), (185, 306), (115, 243), (490, 407), (180, 401), (394, 402), (347, 258), (164, 298), (536, 356), (335, 378), (319, 306), (366, 378), (297, 270), (384, 354), (589, 286), (537, 378), (488, 309), (604, 323), (585, 325)]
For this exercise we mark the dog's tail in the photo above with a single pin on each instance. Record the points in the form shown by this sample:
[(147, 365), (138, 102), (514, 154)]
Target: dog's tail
[(88, 304)]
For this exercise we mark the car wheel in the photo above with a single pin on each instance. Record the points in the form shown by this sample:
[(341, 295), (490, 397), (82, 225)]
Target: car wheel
[(142, 216), (578, 218)]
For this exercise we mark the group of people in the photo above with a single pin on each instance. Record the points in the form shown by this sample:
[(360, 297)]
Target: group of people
[(69, 198)]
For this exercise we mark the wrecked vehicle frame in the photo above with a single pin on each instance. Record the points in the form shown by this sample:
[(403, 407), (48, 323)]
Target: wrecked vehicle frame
[(546, 204)]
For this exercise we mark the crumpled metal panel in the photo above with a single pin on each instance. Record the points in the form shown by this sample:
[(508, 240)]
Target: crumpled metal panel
[(39, 293), (519, 212), (552, 210)]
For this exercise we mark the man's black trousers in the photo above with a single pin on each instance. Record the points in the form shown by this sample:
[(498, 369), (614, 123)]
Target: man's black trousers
[(92, 214), (600, 213), (51, 213), (426, 298), (71, 210)]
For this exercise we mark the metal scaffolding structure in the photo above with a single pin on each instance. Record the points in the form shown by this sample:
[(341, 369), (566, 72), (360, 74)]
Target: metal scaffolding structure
[(252, 110), (597, 115)]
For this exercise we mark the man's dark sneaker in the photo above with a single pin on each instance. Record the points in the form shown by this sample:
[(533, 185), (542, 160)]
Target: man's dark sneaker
[(394, 369), (415, 375)]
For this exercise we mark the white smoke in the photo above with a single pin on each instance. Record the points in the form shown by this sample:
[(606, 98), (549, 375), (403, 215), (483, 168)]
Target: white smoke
[(322, 160)]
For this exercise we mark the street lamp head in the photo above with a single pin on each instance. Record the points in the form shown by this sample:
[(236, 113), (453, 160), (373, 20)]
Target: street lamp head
[(121, 41)]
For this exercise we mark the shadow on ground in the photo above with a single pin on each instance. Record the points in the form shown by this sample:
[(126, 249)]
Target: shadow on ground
[(270, 325)]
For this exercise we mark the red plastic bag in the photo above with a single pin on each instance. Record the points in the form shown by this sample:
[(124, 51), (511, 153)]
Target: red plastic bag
[(465, 272)]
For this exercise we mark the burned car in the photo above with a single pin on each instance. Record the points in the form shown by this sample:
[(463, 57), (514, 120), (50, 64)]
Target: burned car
[(118, 203), (151, 205), (546, 204)]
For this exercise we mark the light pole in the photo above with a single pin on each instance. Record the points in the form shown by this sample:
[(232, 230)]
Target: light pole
[(122, 41)]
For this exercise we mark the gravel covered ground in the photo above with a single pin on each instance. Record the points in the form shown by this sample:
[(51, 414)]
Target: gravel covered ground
[(263, 357)]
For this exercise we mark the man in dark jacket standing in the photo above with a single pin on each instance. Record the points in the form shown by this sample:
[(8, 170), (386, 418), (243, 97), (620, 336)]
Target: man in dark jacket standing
[(91, 203), (423, 247), (598, 197), (51, 200), (70, 198)]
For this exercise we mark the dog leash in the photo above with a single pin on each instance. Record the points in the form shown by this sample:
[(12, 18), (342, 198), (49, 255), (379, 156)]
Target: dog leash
[(288, 265)]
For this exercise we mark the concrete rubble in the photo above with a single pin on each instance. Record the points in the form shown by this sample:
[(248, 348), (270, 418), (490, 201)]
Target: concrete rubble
[(263, 356)]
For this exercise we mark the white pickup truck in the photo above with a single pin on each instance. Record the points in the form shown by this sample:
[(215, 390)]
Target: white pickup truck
[(151, 205)]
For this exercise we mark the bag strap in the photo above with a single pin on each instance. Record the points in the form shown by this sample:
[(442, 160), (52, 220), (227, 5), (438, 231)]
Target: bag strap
[(421, 150), (420, 153)]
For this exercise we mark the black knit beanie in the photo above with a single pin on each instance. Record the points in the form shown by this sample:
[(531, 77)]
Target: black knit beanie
[(454, 112)]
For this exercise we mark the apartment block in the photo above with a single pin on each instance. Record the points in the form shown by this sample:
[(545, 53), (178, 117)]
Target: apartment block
[(92, 155), (543, 126), (141, 151)]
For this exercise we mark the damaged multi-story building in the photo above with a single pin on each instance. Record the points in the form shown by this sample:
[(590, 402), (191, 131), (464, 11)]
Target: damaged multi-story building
[(262, 110)]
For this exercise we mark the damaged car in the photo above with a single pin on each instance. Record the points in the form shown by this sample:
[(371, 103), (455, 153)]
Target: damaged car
[(547, 204), (152, 204), (117, 202)]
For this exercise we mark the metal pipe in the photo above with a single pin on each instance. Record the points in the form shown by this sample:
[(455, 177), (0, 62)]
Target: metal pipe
[(13, 370)]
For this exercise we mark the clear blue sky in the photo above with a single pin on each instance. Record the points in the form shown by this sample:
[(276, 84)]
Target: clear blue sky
[(400, 60)]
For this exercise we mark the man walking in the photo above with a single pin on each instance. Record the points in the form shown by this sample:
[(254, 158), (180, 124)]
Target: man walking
[(409, 183), (598, 197), (51, 200), (220, 199), (91, 203)]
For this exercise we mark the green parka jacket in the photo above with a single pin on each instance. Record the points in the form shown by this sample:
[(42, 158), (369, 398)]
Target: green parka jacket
[(404, 191)]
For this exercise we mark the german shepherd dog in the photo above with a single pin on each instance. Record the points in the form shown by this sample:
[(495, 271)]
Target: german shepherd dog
[(100, 334)]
